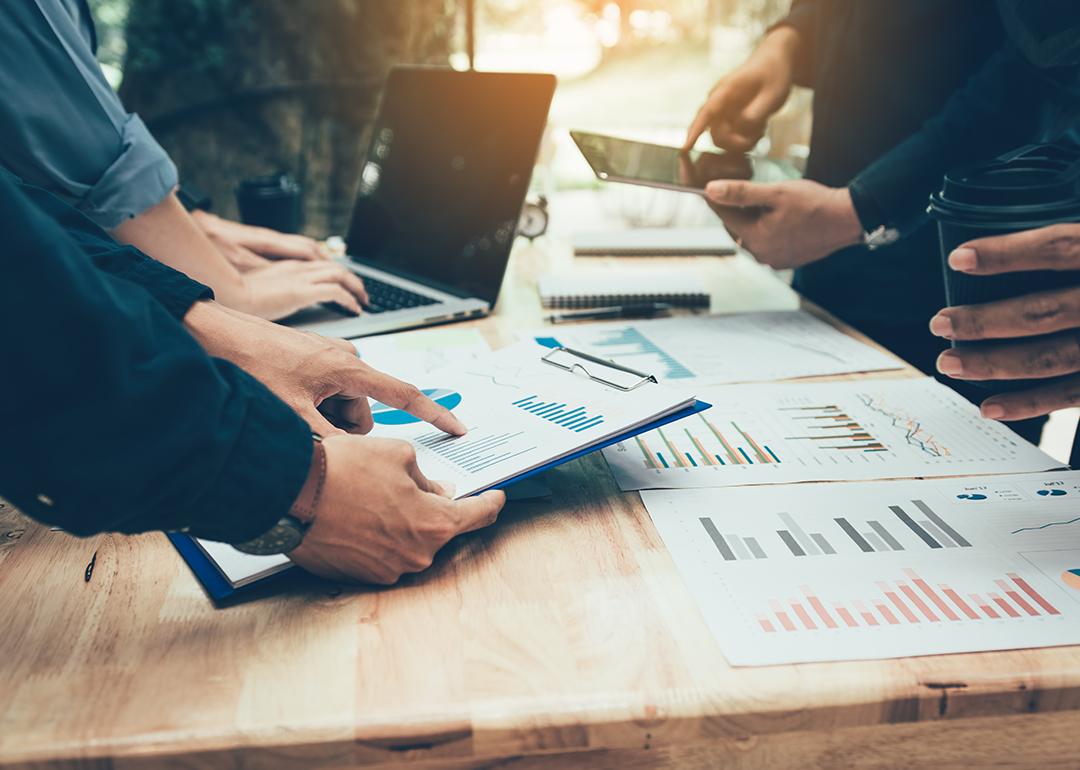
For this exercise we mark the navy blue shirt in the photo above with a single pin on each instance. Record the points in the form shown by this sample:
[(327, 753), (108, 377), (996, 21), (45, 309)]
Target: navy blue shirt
[(114, 418), (880, 69)]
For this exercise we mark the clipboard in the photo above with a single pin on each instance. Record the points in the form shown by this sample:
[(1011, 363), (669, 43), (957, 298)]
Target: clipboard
[(221, 591)]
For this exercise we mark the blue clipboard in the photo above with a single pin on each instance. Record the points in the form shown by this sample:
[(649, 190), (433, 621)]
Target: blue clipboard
[(221, 591)]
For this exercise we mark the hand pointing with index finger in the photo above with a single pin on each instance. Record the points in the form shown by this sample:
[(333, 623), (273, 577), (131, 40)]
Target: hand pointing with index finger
[(320, 378)]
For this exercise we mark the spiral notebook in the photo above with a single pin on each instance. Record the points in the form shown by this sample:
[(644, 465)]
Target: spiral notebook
[(563, 291)]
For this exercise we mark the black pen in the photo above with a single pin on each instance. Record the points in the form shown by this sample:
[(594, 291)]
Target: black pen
[(644, 310)]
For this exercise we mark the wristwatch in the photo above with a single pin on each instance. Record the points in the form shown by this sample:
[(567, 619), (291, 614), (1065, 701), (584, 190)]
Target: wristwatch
[(288, 533), (880, 236)]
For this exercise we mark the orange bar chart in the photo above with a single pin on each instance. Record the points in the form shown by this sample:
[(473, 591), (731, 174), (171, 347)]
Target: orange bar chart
[(910, 600)]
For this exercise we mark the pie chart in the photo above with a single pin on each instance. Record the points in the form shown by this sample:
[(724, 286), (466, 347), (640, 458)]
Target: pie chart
[(388, 415), (972, 496), (1071, 578), (1051, 493)]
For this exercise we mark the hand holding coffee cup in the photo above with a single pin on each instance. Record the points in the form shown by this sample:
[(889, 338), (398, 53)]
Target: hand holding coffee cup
[(1031, 340), (1005, 229)]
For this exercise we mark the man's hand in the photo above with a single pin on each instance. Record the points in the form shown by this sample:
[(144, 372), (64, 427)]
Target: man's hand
[(740, 104), (320, 378), (786, 224), (1043, 326), (379, 517), (248, 247)]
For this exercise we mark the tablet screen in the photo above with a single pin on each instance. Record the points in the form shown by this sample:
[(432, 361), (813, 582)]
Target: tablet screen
[(656, 165)]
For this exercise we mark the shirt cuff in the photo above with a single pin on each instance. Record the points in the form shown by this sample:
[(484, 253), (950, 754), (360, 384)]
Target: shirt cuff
[(867, 208), (171, 288), (137, 180), (267, 467)]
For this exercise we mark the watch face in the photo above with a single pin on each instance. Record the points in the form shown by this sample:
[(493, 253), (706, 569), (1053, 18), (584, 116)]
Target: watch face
[(283, 537)]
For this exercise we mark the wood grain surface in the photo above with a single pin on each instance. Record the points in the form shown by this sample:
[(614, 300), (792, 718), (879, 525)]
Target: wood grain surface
[(561, 636)]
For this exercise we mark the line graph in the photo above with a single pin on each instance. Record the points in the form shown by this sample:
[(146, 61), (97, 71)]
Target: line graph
[(1048, 525), (916, 434)]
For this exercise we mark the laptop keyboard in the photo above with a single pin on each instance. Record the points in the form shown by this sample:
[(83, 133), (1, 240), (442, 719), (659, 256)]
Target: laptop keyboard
[(385, 296)]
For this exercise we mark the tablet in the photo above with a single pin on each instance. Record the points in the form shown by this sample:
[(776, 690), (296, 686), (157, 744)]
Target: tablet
[(654, 165)]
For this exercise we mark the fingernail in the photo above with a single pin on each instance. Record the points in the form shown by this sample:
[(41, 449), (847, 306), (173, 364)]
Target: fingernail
[(715, 189), (993, 411), (949, 363), (941, 325), (963, 259)]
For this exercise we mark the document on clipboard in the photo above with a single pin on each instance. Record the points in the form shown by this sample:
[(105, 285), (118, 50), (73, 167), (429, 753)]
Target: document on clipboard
[(528, 408)]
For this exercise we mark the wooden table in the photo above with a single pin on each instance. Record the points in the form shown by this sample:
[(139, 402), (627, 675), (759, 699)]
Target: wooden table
[(562, 635)]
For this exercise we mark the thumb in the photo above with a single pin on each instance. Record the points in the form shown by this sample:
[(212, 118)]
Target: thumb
[(316, 421), (736, 193), (479, 511)]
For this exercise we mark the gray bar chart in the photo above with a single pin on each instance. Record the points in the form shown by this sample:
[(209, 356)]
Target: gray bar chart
[(732, 547), (933, 530), (868, 536)]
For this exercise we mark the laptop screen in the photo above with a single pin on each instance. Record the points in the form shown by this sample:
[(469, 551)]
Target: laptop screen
[(446, 174)]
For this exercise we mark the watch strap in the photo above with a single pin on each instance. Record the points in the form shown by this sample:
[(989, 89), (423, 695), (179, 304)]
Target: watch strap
[(303, 508)]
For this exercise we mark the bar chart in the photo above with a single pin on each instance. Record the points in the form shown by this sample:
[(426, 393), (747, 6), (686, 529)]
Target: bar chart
[(907, 600), (809, 530), (934, 531), (732, 547), (479, 450), (833, 428), (702, 444), (874, 569), (838, 431), (575, 418)]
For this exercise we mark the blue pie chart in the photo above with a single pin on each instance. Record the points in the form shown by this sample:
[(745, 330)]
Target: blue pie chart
[(388, 415), (972, 496), (1051, 493)]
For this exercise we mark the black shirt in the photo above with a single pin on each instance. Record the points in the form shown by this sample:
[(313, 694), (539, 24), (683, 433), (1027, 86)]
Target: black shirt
[(879, 70), (114, 418)]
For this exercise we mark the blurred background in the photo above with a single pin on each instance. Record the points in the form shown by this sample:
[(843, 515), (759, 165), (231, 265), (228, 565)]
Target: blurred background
[(238, 88)]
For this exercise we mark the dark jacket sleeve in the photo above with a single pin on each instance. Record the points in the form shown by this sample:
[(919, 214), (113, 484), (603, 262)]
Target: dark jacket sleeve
[(113, 417), (997, 110), (174, 290), (804, 18)]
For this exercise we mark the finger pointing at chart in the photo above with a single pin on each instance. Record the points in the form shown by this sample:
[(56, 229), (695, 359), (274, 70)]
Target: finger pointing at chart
[(351, 401)]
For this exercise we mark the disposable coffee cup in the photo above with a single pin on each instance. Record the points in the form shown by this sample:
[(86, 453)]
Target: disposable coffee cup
[(1035, 186), (271, 201)]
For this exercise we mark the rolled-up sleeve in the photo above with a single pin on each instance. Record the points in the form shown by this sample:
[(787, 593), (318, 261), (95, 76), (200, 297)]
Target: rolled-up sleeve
[(63, 128)]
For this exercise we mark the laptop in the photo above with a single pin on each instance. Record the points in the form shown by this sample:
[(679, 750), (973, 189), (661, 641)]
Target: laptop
[(440, 195)]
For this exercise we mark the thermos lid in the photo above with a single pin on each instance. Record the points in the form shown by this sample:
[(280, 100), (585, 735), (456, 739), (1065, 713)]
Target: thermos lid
[(1030, 187)]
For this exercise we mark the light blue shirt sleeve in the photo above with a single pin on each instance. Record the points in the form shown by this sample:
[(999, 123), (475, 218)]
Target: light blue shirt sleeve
[(62, 127)]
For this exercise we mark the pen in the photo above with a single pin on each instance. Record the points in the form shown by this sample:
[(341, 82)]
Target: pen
[(645, 310)]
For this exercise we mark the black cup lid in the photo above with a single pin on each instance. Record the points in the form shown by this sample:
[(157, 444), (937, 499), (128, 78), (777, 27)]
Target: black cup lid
[(1041, 184)]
